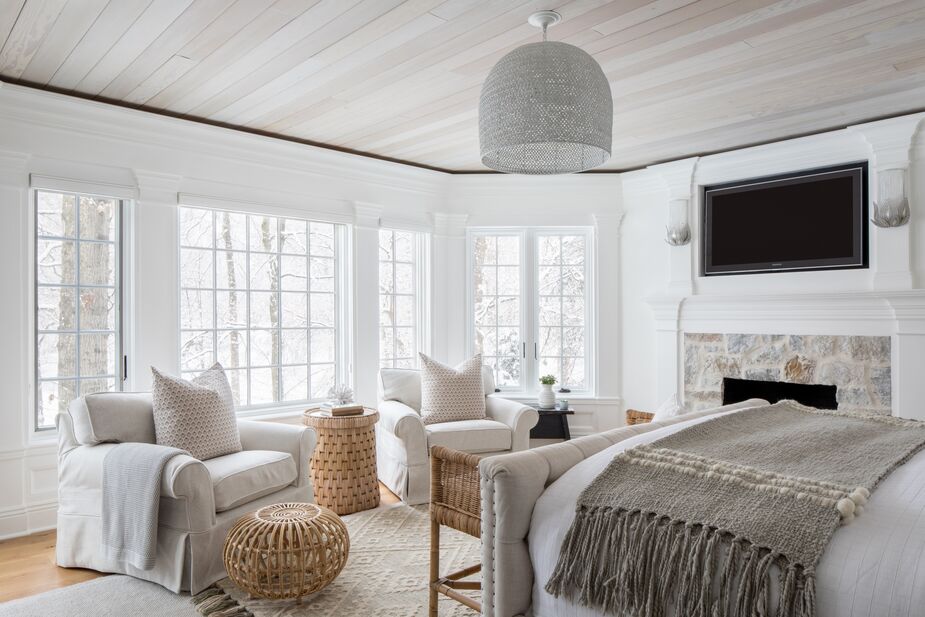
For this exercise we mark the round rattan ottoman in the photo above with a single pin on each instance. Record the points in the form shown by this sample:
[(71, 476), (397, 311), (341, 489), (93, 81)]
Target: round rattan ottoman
[(343, 466), (285, 551)]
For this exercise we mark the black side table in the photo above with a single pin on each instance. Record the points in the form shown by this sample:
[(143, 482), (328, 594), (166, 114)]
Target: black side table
[(553, 423)]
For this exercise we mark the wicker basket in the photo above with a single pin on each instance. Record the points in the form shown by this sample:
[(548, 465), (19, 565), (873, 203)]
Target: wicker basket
[(343, 466), (286, 550), (634, 416), (455, 501)]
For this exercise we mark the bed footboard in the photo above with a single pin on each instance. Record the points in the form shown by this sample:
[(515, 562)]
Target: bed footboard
[(510, 485)]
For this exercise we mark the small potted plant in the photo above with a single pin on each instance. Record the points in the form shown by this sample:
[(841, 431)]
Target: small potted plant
[(547, 396)]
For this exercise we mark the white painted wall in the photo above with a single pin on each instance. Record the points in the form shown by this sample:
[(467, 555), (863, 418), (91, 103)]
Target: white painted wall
[(664, 295), (555, 201), (58, 141), (641, 284)]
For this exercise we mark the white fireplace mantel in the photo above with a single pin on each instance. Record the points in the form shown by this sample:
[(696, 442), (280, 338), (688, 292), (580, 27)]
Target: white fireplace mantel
[(898, 314)]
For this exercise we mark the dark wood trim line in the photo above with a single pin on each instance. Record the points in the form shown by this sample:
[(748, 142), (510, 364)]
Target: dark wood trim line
[(838, 127), (455, 172)]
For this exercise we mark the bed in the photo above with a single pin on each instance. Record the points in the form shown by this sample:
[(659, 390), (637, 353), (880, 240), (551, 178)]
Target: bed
[(872, 568)]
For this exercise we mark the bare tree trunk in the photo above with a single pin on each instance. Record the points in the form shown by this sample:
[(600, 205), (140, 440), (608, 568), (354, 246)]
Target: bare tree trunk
[(94, 352), (234, 337), (67, 345), (266, 235)]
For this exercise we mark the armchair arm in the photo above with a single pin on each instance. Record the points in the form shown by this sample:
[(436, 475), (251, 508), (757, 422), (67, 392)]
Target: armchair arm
[(406, 425), (187, 480), (184, 479), (298, 441), (518, 416)]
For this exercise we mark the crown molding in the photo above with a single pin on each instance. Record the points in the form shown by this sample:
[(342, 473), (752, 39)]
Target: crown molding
[(13, 167), (80, 116), (448, 224), (473, 185), (367, 214), (891, 140)]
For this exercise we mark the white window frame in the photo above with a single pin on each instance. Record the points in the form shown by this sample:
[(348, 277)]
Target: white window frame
[(343, 263), (122, 249), (421, 293), (529, 313)]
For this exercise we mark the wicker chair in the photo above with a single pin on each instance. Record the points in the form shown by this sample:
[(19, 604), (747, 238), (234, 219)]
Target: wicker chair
[(455, 501), (634, 416)]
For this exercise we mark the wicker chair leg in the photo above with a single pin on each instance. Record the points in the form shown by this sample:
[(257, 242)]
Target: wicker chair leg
[(434, 565)]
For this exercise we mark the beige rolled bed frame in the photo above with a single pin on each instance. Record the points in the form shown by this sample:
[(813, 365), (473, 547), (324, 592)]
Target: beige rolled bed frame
[(510, 484)]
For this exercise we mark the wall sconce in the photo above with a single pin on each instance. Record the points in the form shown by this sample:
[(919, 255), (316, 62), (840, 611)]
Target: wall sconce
[(891, 208), (678, 231)]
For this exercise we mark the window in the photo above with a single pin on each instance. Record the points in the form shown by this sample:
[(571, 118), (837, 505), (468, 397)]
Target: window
[(497, 301), (530, 300), (77, 299), (262, 296), (561, 288), (401, 295)]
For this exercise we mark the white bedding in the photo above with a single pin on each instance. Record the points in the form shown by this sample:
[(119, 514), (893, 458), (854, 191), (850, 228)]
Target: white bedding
[(874, 567)]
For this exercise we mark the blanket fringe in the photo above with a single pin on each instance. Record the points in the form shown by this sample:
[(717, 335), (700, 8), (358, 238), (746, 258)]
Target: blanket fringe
[(214, 602), (644, 564)]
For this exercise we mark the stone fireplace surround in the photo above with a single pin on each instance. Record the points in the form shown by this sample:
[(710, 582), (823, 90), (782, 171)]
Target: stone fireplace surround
[(871, 344), (858, 365)]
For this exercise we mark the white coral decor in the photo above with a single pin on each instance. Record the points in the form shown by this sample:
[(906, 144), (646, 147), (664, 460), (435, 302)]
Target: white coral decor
[(341, 394)]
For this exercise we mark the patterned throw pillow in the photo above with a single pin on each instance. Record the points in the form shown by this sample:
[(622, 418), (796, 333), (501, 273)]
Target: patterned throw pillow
[(451, 394), (196, 416)]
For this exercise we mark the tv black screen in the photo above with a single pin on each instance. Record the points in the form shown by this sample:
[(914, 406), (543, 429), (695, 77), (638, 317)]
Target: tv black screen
[(808, 220)]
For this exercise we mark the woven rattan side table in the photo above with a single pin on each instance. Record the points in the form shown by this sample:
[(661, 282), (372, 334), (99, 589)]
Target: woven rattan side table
[(343, 467), (286, 550)]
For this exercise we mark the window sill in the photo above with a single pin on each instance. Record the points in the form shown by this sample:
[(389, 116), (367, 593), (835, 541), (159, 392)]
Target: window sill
[(532, 396), (274, 413)]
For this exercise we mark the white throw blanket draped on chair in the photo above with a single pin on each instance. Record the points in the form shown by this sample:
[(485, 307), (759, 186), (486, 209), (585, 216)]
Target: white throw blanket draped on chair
[(131, 497)]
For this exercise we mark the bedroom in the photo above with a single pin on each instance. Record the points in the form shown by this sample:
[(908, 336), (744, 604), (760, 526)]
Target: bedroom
[(342, 204)]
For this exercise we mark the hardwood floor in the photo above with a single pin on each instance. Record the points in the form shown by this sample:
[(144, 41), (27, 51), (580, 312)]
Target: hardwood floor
[(27, 564)]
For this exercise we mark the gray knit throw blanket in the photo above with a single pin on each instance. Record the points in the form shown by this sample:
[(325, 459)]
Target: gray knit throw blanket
[(691, 524)]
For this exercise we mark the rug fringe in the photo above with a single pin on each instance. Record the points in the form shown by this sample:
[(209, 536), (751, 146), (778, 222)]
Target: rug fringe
[(214, 602), (642, 564)]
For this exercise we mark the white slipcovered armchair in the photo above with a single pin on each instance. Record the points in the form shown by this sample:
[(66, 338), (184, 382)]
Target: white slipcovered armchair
[(199, 502), (403, 441)]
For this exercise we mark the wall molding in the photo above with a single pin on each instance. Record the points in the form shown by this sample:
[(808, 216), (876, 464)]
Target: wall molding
[(131, 126)]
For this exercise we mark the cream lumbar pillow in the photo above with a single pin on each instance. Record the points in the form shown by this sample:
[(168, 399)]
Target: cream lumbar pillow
[(197, 415), (451, 394), (671, 408)]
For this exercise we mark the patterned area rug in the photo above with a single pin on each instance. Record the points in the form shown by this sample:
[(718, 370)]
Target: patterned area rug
[(386, 575)]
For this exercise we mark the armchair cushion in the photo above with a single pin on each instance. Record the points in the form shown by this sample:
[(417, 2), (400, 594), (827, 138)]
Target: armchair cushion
[(402, 385), (298, 441), (242, 477), (115, 417), (473, 436)]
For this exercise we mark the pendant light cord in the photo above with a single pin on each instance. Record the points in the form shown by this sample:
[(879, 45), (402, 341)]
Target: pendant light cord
[(544, 32)]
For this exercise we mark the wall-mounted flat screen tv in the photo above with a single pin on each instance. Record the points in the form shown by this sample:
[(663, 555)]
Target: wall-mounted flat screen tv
[(808, 220)]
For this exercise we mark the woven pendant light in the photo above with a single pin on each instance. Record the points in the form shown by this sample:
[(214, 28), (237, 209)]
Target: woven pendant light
[(545, 108)]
